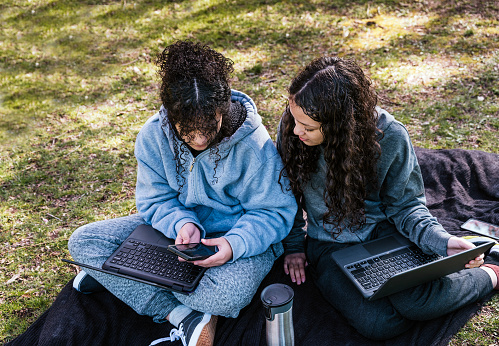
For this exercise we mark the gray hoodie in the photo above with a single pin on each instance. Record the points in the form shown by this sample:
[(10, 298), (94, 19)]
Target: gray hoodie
[(399, 201)]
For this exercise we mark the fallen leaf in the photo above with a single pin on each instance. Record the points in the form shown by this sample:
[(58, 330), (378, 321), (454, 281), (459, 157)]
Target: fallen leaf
[(14, 278)]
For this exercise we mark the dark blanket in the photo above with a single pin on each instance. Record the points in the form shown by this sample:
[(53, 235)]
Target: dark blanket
[(459, 184)]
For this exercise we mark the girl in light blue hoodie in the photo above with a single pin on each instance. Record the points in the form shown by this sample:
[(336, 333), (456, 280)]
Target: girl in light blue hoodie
[(207, 171)]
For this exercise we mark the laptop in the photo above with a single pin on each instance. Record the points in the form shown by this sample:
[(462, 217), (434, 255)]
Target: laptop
[(144, 257), (391, 264)]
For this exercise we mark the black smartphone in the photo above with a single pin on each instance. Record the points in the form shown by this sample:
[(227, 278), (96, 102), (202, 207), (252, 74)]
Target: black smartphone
[(193, 251), (483, 228)]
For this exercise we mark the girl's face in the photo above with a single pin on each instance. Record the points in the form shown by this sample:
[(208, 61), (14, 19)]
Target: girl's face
[(197, 140), (307, 129)]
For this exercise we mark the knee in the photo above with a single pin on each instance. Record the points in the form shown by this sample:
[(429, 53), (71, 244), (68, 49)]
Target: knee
[(382, 327), (378, 331), (101, 236), (228, 301), (238, 286), (228, 308), (88, 240), (221, 295), (220, 305), (76, 242)]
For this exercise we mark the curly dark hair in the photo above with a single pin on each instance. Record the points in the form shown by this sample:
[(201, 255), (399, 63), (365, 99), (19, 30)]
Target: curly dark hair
[(195, 86), (337, 94)]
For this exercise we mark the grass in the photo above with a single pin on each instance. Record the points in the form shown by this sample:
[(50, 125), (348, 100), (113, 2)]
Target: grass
[(77, 82)]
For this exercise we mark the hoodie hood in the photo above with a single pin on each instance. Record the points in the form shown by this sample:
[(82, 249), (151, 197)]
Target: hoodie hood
[(252, 122)]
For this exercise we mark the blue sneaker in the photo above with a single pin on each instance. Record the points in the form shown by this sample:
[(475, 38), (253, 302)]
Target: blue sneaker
[(86, 284), (197, 329)]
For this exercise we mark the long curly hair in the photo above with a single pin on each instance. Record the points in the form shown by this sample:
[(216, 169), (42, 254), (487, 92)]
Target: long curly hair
[(337, 94), (195, 85)]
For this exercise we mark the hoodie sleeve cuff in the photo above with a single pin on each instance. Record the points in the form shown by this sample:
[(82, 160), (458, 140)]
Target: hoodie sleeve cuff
[(437, 241), (237, 245)]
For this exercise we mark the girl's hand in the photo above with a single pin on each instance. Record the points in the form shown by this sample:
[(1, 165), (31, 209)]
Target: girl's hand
[(189, 233), (223, 255), (294, 266), (457, 245)]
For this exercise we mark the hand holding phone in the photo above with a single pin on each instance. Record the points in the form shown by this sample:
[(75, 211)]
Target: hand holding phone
[(192, 251)]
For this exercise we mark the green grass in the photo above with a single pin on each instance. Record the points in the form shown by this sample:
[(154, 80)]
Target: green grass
[(77, 82)]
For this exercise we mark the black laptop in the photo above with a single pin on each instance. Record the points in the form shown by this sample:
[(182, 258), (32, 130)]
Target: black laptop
[(391, 264), (144, 257)]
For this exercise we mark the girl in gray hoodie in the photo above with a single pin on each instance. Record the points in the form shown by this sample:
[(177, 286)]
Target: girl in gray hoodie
[(356, 177)]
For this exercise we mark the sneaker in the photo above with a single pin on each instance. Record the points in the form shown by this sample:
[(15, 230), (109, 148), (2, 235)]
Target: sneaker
[(86, 284), (197, 329)]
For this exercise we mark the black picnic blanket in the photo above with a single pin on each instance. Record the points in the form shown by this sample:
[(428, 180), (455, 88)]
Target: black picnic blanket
[(459, 184)]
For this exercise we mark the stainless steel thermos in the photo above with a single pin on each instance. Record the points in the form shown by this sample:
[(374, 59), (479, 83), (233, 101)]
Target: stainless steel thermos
[(277, 301)]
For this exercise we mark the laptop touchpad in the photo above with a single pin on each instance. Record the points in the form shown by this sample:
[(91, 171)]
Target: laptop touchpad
[(382, 245)]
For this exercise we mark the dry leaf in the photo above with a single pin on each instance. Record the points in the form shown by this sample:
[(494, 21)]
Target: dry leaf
[(14, 278)]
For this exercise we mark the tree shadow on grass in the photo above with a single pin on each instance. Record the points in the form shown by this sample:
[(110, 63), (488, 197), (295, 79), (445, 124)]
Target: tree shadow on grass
[(78, 165), (100, 53)]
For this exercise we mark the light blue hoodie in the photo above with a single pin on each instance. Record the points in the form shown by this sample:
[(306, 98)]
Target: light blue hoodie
[(243, 199)]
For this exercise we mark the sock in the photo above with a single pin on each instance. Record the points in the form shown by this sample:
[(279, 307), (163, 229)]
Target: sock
[(496, 271), (178, 314)]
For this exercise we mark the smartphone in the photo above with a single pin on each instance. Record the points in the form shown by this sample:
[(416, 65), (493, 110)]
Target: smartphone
[(483, 228), (193, 251)]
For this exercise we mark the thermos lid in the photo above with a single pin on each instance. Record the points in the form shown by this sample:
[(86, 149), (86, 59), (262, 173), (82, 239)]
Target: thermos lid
[(276, 295)]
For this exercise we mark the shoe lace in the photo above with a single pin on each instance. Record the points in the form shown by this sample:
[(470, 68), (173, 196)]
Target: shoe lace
[(175, 334)]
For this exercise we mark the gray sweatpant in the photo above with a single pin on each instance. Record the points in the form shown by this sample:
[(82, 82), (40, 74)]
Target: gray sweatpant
[(222, 291)]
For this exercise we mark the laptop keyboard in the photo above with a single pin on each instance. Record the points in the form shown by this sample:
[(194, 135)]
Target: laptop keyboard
[(373, 272), (155, 260)]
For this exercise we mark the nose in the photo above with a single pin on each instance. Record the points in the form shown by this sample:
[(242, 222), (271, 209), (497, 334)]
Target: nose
[(299, 130), (199, 140)]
